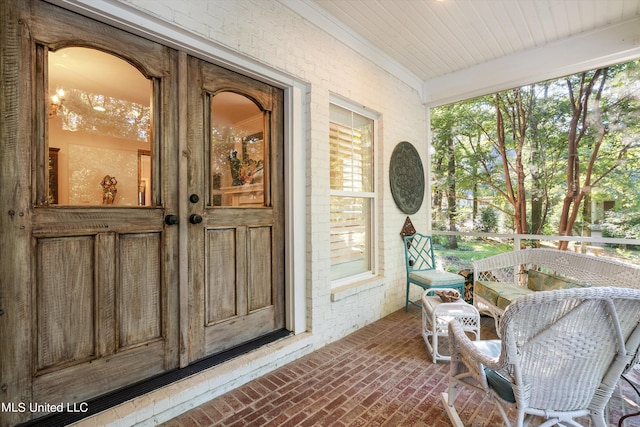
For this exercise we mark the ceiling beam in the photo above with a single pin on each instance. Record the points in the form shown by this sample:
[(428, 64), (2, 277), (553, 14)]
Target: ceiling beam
[(605, 46)]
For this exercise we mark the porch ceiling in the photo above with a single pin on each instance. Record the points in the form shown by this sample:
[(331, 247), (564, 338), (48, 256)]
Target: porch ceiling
[(446, 50), (430, 39)]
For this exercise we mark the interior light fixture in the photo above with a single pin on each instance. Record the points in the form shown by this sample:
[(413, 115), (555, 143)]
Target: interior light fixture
[(56, 102)]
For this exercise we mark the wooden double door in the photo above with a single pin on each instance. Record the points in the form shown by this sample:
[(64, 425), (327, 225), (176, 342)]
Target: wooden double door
[(176, 256)]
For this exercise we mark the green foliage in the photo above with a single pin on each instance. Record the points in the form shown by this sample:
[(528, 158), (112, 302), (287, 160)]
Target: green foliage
[(624, 225), (465, 135), (488, 220), (461, 258)]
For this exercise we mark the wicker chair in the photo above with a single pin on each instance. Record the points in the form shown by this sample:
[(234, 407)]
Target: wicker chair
[(511, 268), (561, 355)]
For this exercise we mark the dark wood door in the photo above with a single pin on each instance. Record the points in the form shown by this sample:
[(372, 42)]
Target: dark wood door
[(90, 279), (235, 181), (93, 279)]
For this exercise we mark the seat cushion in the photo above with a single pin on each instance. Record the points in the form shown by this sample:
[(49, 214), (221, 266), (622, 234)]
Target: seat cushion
[(497, 382), (500, 385), (539, 281), (499, 294), (436, 278), (489, 347)]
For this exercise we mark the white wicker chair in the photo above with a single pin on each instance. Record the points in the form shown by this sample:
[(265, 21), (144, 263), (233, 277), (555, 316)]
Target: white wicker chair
[(511, 267), (561, 354)]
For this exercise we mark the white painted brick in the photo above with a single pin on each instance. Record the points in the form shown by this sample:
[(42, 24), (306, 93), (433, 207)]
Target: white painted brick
[(273, 35)]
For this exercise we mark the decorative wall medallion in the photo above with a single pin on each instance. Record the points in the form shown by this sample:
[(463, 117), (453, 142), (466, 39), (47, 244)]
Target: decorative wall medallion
[(406, 177)]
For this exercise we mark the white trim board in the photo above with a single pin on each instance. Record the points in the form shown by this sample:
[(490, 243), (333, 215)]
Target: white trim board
[(605, 46), (340, 31)]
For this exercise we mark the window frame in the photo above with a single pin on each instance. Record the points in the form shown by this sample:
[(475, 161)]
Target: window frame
[(371, 196)]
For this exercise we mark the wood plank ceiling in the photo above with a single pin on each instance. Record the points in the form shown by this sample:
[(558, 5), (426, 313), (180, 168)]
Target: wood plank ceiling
[(432, 38)]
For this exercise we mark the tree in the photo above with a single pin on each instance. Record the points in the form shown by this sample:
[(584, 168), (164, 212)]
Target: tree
[(451, 192), (540, 135), (455, 167), (445, 166), (587, 132), (512, 106), (541, 153), (502, 164)]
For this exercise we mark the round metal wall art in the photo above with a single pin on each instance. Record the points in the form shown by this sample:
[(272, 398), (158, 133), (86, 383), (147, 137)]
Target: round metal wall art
[(406, 176)]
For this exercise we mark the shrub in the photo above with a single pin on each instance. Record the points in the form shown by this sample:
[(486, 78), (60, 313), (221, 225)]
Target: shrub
[(488, 220)]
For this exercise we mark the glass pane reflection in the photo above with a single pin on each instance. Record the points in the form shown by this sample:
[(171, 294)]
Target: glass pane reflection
[(237, 152), (99, 130)]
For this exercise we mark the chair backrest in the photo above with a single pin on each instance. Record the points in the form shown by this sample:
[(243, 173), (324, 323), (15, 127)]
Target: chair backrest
[(511, 267), (566, 349), (418, 252)]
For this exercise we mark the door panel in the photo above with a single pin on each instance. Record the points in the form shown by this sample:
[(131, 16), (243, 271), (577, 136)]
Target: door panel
[(221, 274), (236, 250), (260, 294), (139, 296), (105, 373), (65, 315), (104, 292), (95, 333)]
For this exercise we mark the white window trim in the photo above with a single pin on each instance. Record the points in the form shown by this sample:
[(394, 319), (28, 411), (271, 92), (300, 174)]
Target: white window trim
[(372, 274)]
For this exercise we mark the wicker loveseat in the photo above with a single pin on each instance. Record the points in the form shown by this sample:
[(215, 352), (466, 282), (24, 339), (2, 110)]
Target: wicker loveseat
[(502, 278)]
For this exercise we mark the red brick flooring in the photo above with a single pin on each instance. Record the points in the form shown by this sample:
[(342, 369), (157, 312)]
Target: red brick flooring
[(380, 375)]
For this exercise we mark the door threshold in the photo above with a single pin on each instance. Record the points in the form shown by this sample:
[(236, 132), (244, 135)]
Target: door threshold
[(117, 397)]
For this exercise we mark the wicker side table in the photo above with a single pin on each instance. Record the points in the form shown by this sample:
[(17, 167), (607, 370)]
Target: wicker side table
[(435, 319)]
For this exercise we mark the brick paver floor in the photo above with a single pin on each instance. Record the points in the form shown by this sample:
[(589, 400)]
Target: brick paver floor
[(381, 375)]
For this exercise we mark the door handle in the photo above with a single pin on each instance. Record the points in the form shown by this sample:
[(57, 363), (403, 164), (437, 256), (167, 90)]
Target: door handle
[(171, 219), (195, 219)]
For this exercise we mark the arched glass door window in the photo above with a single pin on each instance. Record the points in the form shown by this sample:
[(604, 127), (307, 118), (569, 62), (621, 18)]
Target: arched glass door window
[(99, 130), (238, 152)]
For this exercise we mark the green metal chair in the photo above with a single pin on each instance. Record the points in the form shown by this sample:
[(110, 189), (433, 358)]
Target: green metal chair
[(421, 268)]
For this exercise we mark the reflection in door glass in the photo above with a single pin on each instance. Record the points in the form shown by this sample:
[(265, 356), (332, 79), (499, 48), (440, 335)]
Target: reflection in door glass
[(237, 152), (99, 130)]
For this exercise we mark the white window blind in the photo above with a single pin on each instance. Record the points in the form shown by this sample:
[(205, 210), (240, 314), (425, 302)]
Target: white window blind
[(352, 192)]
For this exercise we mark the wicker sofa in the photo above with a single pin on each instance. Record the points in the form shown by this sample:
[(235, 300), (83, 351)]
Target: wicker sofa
[(502, 278)]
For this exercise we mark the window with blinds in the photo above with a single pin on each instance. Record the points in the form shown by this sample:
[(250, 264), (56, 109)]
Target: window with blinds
[(352, 192)]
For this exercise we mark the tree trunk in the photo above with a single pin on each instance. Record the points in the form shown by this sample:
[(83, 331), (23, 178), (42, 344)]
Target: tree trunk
[(536, 162), (451, 193), (515, 111), (436, 205), (586, 219), (576, 191)]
